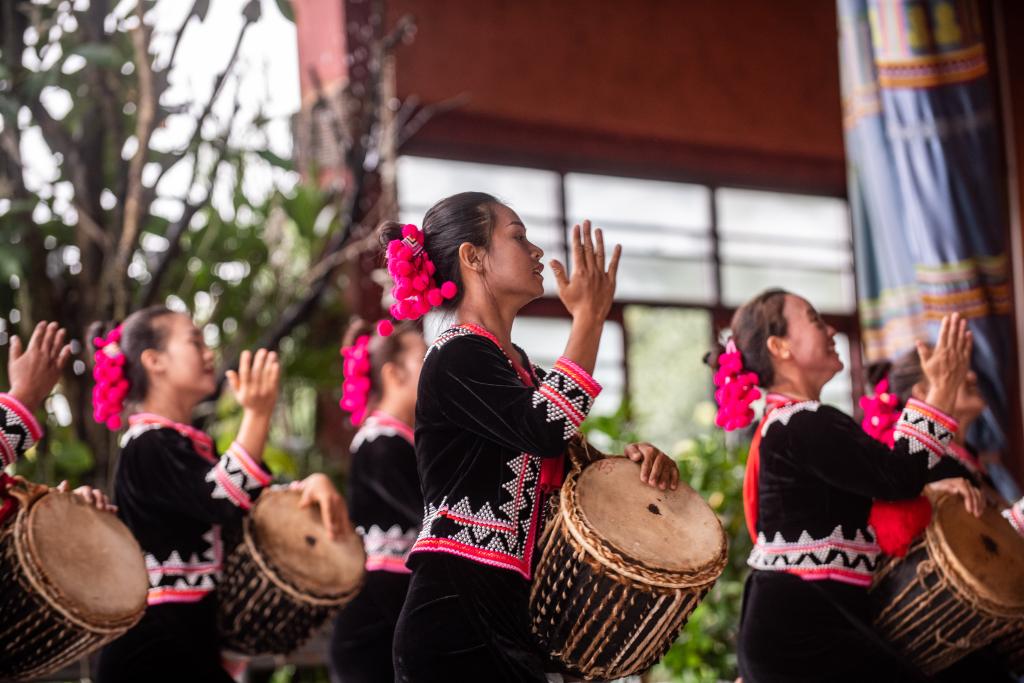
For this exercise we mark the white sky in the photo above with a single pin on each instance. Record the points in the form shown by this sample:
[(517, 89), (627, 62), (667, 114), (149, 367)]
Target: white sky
[(265, 75)]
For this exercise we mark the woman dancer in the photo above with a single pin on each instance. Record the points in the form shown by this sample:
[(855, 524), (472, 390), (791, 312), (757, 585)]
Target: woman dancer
[(182, 502), (385, 503), (811, 477), (491, 431)]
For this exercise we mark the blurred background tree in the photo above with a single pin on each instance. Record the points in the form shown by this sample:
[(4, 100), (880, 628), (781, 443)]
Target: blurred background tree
[(121, 188)]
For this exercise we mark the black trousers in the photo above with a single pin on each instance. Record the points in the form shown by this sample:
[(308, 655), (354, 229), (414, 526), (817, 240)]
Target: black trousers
[(463, 621), (173, 643), (364, 631), (794, 631)]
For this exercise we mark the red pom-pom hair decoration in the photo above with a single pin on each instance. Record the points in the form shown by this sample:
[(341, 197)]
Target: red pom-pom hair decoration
[(736, 390), (111, 387), (415, 291), (355, 389)]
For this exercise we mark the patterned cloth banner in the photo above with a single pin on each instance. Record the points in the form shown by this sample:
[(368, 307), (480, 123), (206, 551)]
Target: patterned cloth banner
[(925, 187)]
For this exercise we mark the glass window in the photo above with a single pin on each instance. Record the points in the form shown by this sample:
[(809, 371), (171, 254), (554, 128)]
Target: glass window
[(531, 193), (799, 242), (664, 229)]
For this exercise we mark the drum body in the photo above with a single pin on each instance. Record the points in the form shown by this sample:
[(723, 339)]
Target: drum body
[(1010, 649), (622, 567), (72, 579), (285, 578), (959, 588)]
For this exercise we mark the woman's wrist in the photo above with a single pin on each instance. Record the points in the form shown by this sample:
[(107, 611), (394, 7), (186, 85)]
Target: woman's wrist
[(942, 398)]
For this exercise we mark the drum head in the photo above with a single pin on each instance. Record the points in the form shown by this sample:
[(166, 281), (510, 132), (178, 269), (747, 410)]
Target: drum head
[(296, 543), (671, 530), (986, 552), (89, 556)]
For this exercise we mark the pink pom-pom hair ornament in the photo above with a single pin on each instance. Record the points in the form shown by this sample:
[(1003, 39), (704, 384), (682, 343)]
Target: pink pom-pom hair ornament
[(736, 390), (415, 290), (355, 390), (111, 388)]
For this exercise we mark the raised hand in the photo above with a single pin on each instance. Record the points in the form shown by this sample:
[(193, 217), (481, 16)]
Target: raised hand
[(36, 368), (656, 468), (256, 382), (947, 364), (589, 290)]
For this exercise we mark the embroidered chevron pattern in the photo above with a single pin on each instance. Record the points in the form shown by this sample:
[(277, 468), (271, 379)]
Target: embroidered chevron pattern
[(236, 475), (925, 429), (784, 414), (178, 580), (387, 550), (852, 560), (19, 430)]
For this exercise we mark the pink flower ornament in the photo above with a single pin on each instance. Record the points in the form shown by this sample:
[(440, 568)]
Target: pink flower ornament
[(736, 390), (111, 387)]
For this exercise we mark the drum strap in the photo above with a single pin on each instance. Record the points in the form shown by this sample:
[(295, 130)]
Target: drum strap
[(910, 672)]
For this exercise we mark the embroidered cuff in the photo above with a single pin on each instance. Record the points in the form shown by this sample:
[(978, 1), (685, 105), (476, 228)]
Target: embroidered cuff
[(235, 475), (581, 377), (387, 551), (926, 429), (568, 392), (1015, 516), (19, 429)]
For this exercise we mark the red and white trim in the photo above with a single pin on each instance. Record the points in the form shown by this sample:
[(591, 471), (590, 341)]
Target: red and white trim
[(143, 422), (926, 428), (378, 424), (178, 580), (834, 557), (1015, 516), (236, 475), (19, 429), (387, 551)]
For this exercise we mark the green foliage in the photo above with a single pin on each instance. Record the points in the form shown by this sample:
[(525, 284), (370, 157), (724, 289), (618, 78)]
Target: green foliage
[(706, 649)]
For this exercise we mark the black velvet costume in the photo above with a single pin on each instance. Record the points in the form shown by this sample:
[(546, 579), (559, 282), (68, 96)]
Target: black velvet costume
[(184, 505), (386, 507), (805, 604), (19, 430), (490, 444)]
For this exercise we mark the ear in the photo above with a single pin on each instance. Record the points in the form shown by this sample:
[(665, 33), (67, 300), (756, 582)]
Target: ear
[(778, 347), (152, 361), (471, 257)]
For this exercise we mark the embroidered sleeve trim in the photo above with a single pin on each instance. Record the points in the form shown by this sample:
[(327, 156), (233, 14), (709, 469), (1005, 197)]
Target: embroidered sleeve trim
[(235, 475), (1015, 516), (18, 427), (179, 580), (387, 551), (926, 429), (581, 377), (850, 560)]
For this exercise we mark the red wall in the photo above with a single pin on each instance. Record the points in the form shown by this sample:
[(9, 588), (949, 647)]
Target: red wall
[(753, 81)]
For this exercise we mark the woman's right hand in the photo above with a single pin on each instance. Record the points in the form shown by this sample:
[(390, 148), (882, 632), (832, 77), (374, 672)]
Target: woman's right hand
[(946, 365), (34, 369), (974, 500), (256, 383), (588, 292)]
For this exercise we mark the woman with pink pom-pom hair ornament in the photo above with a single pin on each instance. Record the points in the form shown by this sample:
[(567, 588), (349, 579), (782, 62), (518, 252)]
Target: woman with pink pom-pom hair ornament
[(811, 475), (380, 378), (491, 430), (181, 499)]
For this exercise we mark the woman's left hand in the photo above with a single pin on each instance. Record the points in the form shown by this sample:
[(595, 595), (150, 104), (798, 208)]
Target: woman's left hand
[(656, 468), (92, 496), (318, 489)]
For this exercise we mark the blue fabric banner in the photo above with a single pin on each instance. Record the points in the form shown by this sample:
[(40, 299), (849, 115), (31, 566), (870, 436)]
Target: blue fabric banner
[(925, 183)]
